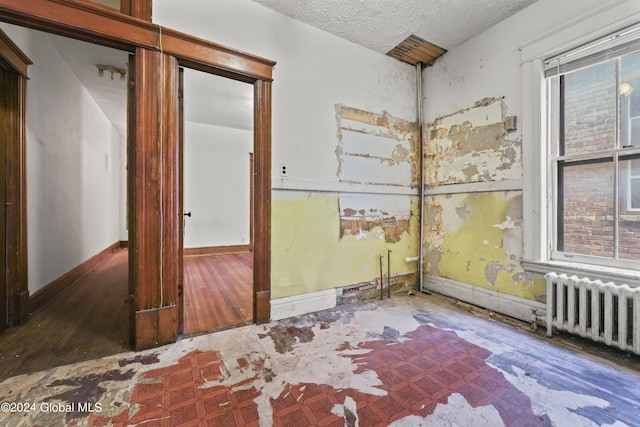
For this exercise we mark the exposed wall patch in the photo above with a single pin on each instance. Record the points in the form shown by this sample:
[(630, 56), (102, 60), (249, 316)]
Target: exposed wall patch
[(376, 149), (472, 145), (384, 217)]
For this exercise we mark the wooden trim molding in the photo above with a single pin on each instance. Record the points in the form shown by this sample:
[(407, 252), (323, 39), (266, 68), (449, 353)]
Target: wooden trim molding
[(213, 250), (47, 294), (82, 20), (154, 327), (251, 203), (140, 9), (262, 200), (153, 160), (131, 193), (11, 54), (180, 260), (153, 166), (14, 170)]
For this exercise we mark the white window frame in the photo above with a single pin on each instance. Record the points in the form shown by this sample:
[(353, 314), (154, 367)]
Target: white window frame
[(538, 218), (630, 178)]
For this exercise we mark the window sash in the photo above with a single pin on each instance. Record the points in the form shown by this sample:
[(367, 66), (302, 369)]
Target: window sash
[(612, 46), (555, 129)]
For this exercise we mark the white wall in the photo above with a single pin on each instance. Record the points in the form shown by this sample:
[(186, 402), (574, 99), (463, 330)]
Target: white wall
[(489, 65), (73, 166), (317, 77), (315, 71), (216, 185)]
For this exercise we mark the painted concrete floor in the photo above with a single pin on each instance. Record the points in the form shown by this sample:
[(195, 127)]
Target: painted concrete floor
[(404, 361)]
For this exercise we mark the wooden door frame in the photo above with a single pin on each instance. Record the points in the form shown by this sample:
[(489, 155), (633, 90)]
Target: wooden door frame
[(15, 62), (152, 253)]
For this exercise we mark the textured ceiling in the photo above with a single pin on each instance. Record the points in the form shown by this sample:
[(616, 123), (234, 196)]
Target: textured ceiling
[(377, 24), (382, 24)]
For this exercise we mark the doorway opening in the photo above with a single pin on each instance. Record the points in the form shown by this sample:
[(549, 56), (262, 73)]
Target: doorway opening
[(217, 143), (75, 216), (155, 320)]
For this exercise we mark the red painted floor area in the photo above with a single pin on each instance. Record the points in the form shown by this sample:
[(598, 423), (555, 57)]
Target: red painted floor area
[(417, 374), (400, 362), (173, 396)]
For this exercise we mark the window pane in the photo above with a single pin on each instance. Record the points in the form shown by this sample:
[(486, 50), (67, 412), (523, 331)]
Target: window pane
[(629, 220), (589, 109), (630, 100), (586, 208)]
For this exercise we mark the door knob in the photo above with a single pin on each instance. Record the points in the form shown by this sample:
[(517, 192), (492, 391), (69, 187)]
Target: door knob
[(187, 214)]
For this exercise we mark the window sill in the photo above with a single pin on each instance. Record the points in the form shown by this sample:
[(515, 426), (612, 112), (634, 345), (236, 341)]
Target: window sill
[(619, 276)]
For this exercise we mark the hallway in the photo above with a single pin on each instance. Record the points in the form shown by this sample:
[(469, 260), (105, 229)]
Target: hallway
[(89, 319), (86, 321), (404, 361), (218, 291)]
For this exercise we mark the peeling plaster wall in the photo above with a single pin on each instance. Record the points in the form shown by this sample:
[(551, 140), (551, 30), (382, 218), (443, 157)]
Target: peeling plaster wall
[(386, 216), (309, 253), (376, 148), (473, 225), (472, 146), (474, 235), (476, 238), (344, 126)]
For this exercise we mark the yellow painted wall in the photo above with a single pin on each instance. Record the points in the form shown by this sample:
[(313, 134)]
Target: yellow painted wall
[(474, 236), (308, 254), (477, 239)]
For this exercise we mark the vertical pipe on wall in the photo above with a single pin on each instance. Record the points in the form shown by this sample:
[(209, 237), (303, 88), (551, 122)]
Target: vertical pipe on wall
[(389, 273), (420, 102), (381, 276)]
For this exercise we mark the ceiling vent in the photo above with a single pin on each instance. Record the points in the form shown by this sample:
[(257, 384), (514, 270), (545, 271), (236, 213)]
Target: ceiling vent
[(413, 49)]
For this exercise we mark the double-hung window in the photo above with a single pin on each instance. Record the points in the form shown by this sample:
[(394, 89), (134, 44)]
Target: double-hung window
[(593, 96)]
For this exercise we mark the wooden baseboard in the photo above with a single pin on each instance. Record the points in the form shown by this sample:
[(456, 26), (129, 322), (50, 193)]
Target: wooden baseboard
[(44, 296), (213, 250)]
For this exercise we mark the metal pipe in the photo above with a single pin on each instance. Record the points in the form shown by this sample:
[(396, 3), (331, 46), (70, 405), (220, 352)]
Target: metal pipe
[(389, 273), (422, 177), (381, 277)]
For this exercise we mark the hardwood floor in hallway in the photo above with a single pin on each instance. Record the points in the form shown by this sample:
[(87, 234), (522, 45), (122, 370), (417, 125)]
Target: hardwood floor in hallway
[(218, 291), (86, 321), (89, 319)]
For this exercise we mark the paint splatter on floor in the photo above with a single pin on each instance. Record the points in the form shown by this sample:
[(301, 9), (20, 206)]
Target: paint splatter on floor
[(403, 363)]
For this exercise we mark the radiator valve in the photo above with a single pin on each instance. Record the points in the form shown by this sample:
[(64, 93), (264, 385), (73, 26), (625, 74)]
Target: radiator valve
[(535, 317)]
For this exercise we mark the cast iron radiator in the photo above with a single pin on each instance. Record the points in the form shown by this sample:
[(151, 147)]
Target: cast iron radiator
[(604, 312)]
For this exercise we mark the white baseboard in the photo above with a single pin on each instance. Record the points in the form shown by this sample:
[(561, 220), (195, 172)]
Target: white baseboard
[(296, 305), (516, 307)]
